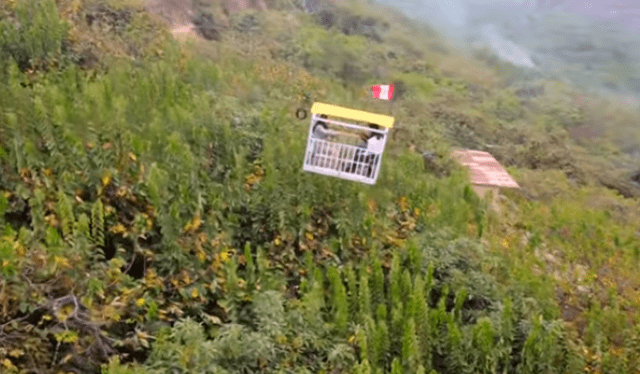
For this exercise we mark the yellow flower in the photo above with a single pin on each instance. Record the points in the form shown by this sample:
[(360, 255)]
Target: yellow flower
[(106, 179), (202, 256), (617, 352), (63, 262), (64, 313), (194, 224), (16, 353), (194, 293), (118, 229), (505, 243), (309, 236), (140, 301), (403, 203), (7, 363), (224, 256)]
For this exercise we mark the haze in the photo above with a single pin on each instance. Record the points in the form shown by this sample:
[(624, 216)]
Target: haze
[(590, 44)]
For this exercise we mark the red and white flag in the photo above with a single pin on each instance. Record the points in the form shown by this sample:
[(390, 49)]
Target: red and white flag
[(383, 92)]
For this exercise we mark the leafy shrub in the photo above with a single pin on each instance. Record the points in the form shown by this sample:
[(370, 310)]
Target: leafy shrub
[(421, 85), (107, 19), (247, 23), (207, 26), (35, 37)]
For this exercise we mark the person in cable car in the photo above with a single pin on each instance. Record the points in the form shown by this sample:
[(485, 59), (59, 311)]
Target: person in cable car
[(374, 142), (320, 129), (320, 132), (367, 151)]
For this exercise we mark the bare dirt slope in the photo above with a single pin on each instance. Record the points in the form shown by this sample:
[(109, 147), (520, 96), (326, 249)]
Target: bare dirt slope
[(181, 32), (180, 13), (177, 12)]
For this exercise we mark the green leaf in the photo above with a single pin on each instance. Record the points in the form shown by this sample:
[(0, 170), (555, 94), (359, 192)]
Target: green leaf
[(152, 312), (24, 307)]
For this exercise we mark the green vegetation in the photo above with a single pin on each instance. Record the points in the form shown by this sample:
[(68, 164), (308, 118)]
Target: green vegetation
[(154, 217)]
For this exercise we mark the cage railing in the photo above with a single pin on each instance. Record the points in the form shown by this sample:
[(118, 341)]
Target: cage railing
[(343, 154)]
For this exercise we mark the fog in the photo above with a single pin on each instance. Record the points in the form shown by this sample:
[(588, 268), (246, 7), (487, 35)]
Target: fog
[(591, 44)]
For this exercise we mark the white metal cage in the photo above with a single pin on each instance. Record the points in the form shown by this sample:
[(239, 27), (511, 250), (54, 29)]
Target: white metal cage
[(339, 150)]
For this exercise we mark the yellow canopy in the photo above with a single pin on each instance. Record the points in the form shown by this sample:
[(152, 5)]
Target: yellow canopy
[(352, 114)]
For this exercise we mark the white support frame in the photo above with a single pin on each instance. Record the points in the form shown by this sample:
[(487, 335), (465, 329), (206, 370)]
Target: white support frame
[(334, 159)]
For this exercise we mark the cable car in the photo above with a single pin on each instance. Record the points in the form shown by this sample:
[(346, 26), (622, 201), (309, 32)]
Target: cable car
[(346, 143)]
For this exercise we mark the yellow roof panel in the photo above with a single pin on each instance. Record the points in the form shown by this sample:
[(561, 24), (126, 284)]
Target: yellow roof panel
[(352, 114)]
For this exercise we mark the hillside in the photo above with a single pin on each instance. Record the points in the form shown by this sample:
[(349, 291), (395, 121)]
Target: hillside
[(154, 217)]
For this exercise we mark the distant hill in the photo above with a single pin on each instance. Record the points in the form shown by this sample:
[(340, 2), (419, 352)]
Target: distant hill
[(592, 45)]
